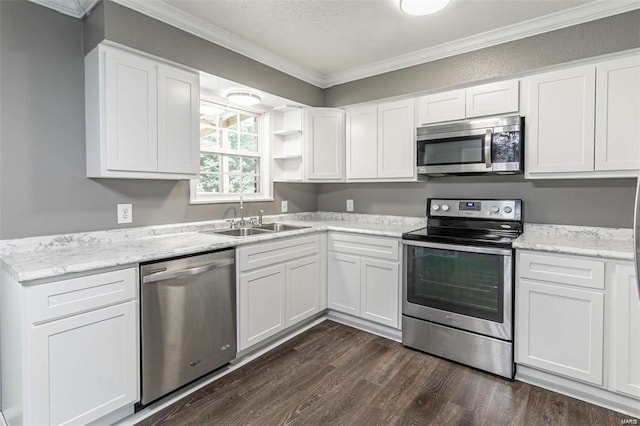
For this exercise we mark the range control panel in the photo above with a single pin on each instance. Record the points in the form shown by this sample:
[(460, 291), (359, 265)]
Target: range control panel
[(475, 208)]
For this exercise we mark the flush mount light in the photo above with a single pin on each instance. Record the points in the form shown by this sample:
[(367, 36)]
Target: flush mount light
[(243, 98), (422, 7)]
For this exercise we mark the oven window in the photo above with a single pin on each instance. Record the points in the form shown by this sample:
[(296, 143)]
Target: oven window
[(467, 150), (470, 284)]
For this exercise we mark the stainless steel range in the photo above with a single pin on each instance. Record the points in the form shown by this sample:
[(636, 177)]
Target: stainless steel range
[(458, 282)]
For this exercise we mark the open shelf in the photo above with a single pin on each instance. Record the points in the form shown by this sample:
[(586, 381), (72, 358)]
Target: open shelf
[(287, 132)]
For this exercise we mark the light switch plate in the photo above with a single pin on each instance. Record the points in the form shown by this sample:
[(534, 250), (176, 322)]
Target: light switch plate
[(125, 213), (349, 205), (284, 206)]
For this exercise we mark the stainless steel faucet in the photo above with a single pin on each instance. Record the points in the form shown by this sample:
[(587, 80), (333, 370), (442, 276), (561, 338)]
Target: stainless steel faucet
[(260, 213), (242, 221)]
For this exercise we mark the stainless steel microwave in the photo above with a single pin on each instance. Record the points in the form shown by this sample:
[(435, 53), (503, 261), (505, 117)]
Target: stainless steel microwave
[(487, 145)]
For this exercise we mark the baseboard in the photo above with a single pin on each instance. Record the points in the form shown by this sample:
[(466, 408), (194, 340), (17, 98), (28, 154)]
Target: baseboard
[(364, 325), (578, 390)]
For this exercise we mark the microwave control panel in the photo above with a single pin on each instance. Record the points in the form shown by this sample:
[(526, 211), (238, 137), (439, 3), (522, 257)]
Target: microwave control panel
[(475, 208)]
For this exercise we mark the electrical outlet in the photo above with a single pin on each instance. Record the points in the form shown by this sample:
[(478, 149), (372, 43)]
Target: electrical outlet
[(284, 206), (349, 205), (125, 213)]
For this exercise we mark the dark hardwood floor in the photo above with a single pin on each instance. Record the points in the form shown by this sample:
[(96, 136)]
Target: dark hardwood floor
[(334, 374)]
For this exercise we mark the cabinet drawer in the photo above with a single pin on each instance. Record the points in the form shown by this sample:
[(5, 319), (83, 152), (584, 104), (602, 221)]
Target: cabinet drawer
[(68, 297), (268, 254), (383, 248), (572, 270)]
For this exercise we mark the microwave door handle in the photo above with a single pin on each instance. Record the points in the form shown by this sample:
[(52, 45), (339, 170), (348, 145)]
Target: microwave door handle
[(488, 136)]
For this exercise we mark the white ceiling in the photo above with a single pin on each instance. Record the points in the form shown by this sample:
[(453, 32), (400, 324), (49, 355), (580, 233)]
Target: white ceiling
[(328, 42)]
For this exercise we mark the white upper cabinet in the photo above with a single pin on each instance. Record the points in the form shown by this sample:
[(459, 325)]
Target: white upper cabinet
[(142, 117), (396, 140), (618, 114), (585, 121), (501, 97), (178, 126), (381, 142), (560, 121), (446, 106), (493, 98), (362, 142), (323, 153)]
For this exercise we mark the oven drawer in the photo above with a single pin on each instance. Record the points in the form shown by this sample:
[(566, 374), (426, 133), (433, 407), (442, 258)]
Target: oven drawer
[(380, 247), (564, 269)]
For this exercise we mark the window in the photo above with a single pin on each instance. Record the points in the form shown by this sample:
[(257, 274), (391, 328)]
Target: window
[(233, 157)]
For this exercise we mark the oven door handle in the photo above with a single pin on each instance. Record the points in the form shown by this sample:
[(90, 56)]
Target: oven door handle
[(456, 247)]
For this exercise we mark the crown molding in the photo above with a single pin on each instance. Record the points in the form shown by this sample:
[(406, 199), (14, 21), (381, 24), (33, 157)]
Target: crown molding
[(555, 21), (76, 8), (175, 17)]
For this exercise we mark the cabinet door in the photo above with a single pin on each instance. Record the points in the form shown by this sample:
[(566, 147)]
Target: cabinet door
[(445, 106), (560, 329), (262, 304), (380, 282), (303, 289), (344, 283), (625, 331), (131, 112), (561, 121), (396, 139), (362, 143), (324, 144), (178, 121), (618, 115), (78, 377), (494, 98)]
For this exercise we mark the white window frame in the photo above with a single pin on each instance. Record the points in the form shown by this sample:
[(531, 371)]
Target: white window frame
[(266, 180)]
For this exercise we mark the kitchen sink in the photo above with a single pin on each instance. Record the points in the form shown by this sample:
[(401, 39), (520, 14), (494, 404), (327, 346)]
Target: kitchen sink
[(256, 230), (239, 232), (276, 227)]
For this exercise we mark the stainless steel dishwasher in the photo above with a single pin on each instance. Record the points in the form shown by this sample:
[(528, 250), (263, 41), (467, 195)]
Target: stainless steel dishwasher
[(188, 320)]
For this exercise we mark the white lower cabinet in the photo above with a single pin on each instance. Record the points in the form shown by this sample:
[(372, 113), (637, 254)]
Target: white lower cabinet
[(84, 366), (364, 277), (262, 302), (302, 289), (625, 330), (579, 319), (344, 283), (273, 298), (70, 349), (565, 329)]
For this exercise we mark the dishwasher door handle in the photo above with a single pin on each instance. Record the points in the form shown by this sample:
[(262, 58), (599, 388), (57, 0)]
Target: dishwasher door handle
[(163, 276)]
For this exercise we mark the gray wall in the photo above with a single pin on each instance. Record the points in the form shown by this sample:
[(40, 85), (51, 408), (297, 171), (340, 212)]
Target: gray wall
[(613, 34), (120, 24), (43, 188), (603, 202)]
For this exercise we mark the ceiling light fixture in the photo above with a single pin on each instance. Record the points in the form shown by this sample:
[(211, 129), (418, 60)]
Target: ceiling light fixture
[(422, 7), (243, 98)]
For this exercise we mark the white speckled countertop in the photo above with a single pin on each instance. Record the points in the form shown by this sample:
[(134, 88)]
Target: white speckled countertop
[(609, 243), (37, 258)]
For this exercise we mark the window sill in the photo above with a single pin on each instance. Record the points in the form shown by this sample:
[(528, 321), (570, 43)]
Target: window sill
[(230, 200)]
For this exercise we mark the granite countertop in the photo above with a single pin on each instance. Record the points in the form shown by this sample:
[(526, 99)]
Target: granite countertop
[(39, 258), (608, 243)]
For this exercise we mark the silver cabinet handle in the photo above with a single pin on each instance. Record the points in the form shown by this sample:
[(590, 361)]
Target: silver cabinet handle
[(487, 148), (163, 276)]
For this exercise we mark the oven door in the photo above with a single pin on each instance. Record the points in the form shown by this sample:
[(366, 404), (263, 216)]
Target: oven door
[(466, 287)]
